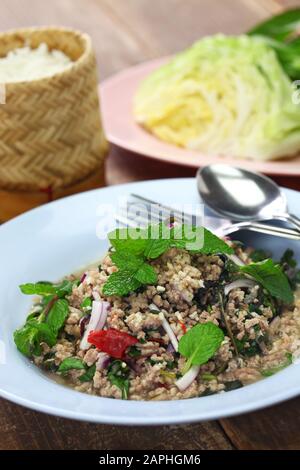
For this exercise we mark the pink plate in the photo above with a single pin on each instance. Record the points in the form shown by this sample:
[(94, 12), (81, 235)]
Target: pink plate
[(117, 95)]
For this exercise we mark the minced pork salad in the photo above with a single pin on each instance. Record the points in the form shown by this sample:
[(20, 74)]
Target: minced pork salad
[(159, 319)]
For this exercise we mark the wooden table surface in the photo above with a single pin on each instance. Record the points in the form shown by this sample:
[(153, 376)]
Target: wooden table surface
[(126, 32)]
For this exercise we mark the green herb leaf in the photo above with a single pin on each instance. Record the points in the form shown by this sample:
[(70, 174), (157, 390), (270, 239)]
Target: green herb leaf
[(271, 277), (25, 339), (44, 332), (64, 288), (39, 288), (118, 375), (71, 363), (46, 288), (126, 260), (200, 343), (86, 303), (57, 315), (129, 240), (89, 374), (214, 245), (121, 283), (146, 274), (198, 240), (281, 32), (279, 26)]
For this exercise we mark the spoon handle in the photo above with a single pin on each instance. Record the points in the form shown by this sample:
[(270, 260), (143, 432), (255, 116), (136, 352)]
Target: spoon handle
[(293, 219), (259, 227)]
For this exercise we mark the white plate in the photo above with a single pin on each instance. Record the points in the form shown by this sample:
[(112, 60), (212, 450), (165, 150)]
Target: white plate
[(58, 238)]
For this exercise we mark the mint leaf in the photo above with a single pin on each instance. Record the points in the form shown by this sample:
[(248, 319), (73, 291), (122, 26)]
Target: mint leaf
[(271, 277), (28, 338), (44, 332), (132, 240), (158, 240), (25, 339), (146, 274), (64, 288), (71, 363), (214, 245), (39, 288), (155, 248), (89, 374), (126, 260), (45, 288), (200, 343), (121, 283), (57, 315), (198, 240)]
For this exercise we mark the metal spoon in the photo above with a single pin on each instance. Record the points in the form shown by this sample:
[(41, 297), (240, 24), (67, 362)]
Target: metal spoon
[(242, 195)]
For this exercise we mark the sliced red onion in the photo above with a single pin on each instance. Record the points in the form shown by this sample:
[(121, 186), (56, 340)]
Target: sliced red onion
[(97, 321), (133, 365), (82, 278), (169, 331), (239, 283), (83, 322), (170, 348), (96, 295), (102, 361), (235, 259), (184, 382)]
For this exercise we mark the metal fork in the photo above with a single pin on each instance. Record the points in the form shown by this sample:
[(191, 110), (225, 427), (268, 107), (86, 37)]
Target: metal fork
[(219, 226)]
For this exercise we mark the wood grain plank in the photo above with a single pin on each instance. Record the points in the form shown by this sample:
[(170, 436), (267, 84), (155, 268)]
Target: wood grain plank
[(269, 429), (24, 429), (173, 24), (123, 167), (115, 47)]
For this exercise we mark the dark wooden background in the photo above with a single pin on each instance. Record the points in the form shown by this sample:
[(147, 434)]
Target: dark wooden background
[(126, 32)]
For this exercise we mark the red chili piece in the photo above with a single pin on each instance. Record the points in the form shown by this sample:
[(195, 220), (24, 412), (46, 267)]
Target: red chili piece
[(182, 326), (112, 341)]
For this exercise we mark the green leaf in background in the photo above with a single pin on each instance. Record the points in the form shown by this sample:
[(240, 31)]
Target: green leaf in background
[(200, 343), (280, 27), (271, 277), (281, 32), (57, 315), (71, 363)]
